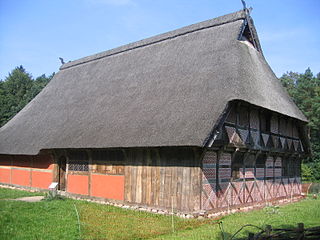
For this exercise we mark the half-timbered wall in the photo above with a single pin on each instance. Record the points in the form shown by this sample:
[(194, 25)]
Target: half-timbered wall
[(97, 173), (239, 178), (257, 158), (27, 171), (163, 178)]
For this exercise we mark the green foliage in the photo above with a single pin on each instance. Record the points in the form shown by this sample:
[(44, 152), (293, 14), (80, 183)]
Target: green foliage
[(17, 90), (307, 173), (272, 209), (53, 195), (304, 88)]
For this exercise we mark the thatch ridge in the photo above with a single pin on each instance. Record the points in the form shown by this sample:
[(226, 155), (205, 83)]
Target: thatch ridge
[(232, 17)]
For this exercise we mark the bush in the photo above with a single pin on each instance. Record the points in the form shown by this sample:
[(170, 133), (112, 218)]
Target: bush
[(53, 195)]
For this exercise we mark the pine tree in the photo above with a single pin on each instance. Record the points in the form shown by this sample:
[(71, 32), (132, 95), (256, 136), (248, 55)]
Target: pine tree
[(305, 91)]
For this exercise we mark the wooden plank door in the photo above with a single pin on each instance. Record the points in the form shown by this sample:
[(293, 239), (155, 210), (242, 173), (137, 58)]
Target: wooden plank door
[(62, 173)]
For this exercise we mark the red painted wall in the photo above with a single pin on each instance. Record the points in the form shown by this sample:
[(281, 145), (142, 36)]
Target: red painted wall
[(41, 179), (78, 184), (20, 170), (5, 175), (107, 186), (20, 177)]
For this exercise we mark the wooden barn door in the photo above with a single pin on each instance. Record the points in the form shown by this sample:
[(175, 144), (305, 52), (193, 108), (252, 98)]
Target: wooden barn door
[(62, 173)]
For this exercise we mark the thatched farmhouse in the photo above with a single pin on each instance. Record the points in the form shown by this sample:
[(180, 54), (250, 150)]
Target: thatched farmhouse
[(192, 119)]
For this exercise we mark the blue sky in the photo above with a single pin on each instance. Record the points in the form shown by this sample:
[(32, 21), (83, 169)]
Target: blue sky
[(35, 33)]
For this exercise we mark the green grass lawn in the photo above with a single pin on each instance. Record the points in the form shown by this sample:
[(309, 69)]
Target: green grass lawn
[(57, 219), (6, 193)]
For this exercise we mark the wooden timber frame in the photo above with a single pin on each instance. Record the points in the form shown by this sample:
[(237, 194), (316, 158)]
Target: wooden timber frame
[(161, 178), (253, 157)]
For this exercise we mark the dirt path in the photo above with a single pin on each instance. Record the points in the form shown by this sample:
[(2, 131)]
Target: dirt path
[(30, 199)]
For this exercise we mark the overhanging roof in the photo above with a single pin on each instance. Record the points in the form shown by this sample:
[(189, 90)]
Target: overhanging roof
[(168, 90)]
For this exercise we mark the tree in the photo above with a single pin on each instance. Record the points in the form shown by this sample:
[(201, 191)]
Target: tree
[(17, 90), (305, 91)]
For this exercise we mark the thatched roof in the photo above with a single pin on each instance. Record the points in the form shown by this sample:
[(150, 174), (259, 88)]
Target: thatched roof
[(168, 90)]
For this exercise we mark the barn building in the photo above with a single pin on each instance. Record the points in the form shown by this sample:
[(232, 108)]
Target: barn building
[(192, 119)]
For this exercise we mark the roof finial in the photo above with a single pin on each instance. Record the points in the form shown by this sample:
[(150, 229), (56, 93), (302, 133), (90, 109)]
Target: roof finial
[(244, 5), (61, 60)]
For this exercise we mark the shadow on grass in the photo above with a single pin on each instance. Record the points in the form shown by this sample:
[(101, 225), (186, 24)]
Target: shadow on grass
[(243, 233)]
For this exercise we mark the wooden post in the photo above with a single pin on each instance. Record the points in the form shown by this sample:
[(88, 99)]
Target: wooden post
[(300, 231), (11, 166), (228, 193), (172, 218), (300, 227), (251, 236), (90, 170), (268, 231), (31, 167)]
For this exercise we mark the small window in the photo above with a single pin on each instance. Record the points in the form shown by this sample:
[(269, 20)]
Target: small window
[(78, 166), (78, 161), (237, 165)]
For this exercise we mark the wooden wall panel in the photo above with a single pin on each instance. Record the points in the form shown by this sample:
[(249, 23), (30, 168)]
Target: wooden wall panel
[(254, 119), (163, 177)]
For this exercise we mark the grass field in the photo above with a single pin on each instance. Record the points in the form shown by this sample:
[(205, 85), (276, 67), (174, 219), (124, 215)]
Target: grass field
[(57, 219)]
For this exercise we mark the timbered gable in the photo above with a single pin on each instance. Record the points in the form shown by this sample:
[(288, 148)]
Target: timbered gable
[(250, 127)]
